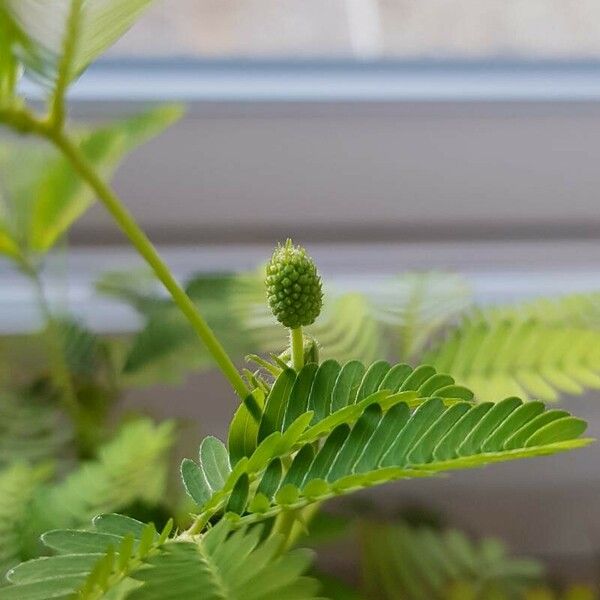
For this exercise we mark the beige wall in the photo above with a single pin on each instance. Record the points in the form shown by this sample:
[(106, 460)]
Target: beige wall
[(444, 28)]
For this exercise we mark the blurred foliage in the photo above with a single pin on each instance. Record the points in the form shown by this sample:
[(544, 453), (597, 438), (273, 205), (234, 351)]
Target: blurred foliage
[(32, 430), (56, 41), (61, 460), (32, 391), (525, 358), (353, 324), (130, 471), (41, 195), (541, 348), (420, 562), (19, 483)]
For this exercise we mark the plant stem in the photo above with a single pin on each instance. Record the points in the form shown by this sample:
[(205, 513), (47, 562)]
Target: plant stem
[(144, 246), (297, 348)]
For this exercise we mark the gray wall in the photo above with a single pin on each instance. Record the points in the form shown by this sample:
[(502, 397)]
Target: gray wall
[(252, 171)]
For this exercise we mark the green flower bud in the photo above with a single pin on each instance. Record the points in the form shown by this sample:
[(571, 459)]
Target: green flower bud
[(293, 286)]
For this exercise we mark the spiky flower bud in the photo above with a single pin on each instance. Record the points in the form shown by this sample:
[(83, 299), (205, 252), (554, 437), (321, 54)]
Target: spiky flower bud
[(293, 286)]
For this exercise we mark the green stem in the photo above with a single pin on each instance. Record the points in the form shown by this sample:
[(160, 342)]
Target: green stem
[(144, 246), (297, 348)]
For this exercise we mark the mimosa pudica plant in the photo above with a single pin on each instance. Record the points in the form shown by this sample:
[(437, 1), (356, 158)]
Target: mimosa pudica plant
[(305, 430)]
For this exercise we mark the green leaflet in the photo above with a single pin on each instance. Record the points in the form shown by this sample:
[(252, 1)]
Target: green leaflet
[(121, 525), (523, 357), (340, 394), (73, 541), (123, 558), (203, 480), (271, 479), (44, 196), (298, 402), (386, 443), (243, 430), (59, 39), (76, 565), (195, 482), (88, 562), (215, 462), (345, 388), (380, 435), (276, 405), (218, 568), (239, 495), (336, 388)]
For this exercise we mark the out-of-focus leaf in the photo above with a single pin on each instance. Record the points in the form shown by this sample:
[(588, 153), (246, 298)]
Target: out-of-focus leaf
[(43, 195), (418, 305), (131, 467), (353, 325), (22, 164), (18, 485), (62, 197), (31, 430), (325, 528), (58, 39), (524, 358), (418, 563), (576, 592), (9, 68), (8, 246), (139, 288), (166, 348), (335, 589)]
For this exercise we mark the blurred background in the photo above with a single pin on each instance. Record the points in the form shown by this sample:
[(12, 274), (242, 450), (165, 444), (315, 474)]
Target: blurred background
[(387, 136)]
